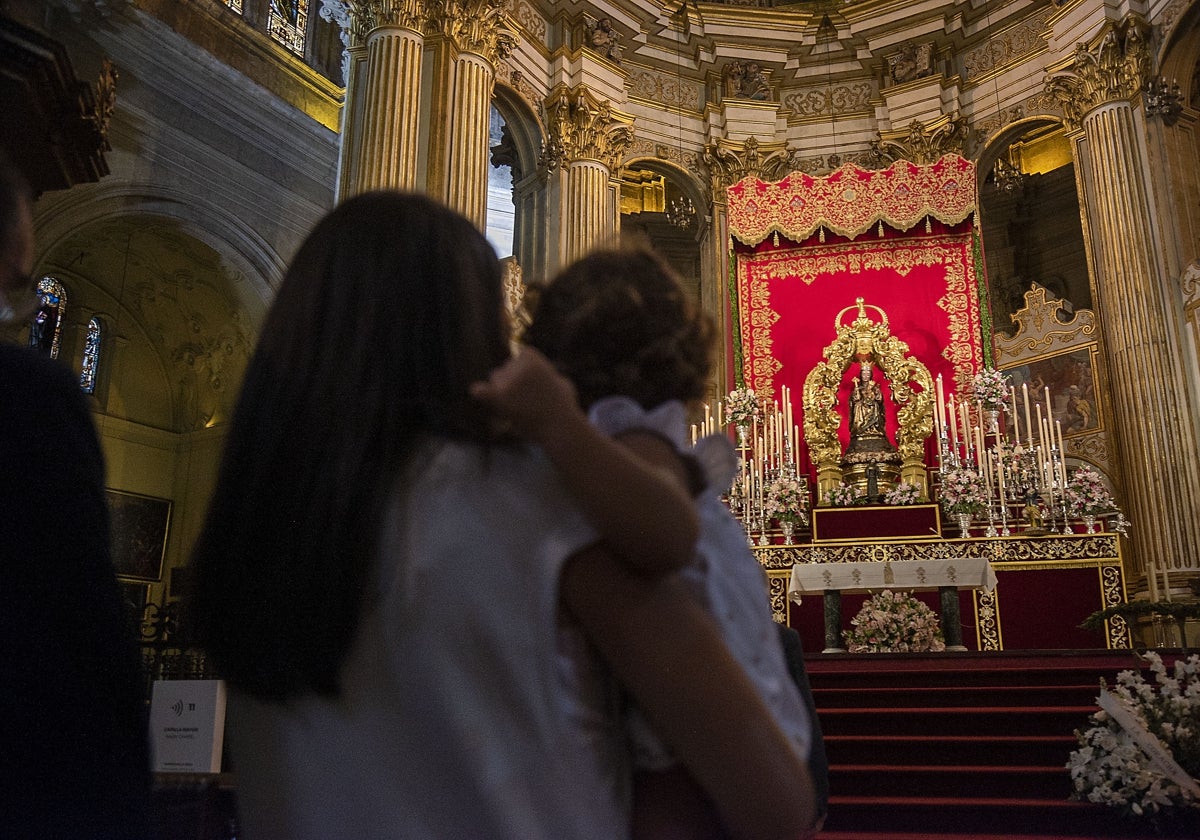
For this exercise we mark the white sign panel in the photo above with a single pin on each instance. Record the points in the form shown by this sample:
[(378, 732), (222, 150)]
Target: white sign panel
[(187, 725)]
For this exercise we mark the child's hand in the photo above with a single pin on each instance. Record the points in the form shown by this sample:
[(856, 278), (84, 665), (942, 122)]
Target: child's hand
[(528, 392)]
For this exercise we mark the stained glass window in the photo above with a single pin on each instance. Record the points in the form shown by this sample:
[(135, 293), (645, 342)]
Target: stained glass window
[(91, 356), (288, 22), (236, 5), (45, 330)]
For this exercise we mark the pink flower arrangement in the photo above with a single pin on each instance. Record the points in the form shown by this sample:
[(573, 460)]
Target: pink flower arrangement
[(990, 388), (894, 622), (962, 492), (843, 495), (1087, 495), (782, 500), (903, 493), (741, 406)]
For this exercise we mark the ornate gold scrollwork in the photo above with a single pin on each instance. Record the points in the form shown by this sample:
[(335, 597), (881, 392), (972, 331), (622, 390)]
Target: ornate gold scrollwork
[(1115, 69), (915, 414), (729, 162), (921, 143), (582, 127)]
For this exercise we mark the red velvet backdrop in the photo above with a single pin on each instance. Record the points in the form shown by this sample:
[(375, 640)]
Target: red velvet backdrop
[(788, 295)]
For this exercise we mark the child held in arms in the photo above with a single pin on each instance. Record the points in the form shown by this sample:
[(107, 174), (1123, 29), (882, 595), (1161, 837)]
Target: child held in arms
[(620, 327)]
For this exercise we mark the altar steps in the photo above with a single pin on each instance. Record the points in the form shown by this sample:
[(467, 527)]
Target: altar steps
[(963, 745)]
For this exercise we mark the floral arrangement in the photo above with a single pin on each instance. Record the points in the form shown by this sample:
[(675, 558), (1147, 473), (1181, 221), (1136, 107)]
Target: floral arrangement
[(841, 496), (990, 388), (741, 406), (782, 500), (962, 492), (894, 622), (1142, 752), (903, 493), (1087, 495)]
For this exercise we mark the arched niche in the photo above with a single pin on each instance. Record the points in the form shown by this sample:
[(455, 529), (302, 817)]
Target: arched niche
[(519, 149), (1030, 220)]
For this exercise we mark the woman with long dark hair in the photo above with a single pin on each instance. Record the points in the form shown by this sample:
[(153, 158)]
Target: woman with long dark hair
[(380, 571)]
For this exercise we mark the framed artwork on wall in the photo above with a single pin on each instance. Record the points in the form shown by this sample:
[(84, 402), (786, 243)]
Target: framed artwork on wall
[(139, 534), (1074, 391)]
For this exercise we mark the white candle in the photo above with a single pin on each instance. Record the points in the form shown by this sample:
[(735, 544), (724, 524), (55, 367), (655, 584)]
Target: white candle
[(941, 407), (953, 428), (1012, 394), (1028, 422)]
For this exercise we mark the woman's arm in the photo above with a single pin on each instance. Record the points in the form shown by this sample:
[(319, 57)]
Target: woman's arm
[(666, 651), (635, 492)]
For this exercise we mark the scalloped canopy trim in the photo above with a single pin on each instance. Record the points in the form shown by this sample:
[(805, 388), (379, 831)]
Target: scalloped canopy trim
[(850, 201)]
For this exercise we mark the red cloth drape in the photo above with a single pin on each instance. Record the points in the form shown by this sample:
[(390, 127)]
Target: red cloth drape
[(787, 296)]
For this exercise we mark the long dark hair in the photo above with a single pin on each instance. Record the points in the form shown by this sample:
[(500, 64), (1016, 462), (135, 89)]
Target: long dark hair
[(619, 322), (391, 308)]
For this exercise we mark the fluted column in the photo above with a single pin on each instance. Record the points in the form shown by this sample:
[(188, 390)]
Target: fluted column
[(586, 141), (466, 39), (585, 206), (387, 143), (466, 178), (1156, 450), (360, 23)]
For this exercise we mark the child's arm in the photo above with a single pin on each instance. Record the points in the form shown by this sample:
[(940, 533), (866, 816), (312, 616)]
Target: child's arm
[(667, 652), (635, 492)]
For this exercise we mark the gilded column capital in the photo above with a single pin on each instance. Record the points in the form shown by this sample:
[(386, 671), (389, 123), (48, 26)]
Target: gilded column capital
[(582, 127), (1114, 70), (728, 161), (921, 143), (476, 26), (409, 14)]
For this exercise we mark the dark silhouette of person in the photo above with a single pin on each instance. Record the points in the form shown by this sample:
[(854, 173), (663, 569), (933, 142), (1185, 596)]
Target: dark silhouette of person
[(73, 733)]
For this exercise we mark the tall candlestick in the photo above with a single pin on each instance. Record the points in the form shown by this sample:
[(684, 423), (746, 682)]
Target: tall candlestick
[(1028, 422), (941, 406), (953, 428), (1012, 394)]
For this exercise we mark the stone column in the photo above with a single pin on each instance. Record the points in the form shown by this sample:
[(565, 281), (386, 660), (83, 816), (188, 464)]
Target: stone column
[(1156, 450), (586, 141), (467, 40), (386, 141), (361, 23)]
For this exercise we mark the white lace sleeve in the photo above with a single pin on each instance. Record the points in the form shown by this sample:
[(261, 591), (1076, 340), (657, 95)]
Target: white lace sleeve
[(714, 454)]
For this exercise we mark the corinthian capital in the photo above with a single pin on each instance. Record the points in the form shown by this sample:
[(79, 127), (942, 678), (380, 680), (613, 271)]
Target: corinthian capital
[(582, 127), (1112, 71), (409, 14), (477, 26), (729, 162), (921, 143)]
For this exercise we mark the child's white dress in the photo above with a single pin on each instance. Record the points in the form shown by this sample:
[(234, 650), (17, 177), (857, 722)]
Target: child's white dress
[(725, 575)]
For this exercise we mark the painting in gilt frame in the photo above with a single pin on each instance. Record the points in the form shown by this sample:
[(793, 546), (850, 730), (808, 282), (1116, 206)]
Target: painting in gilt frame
[(139, 534), (1071, 378)]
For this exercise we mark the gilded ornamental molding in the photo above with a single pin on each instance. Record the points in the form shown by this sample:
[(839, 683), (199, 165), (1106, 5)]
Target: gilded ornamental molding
[(1112, 71), (920, 142), (1041, 329), (582, 127), (728, 161)]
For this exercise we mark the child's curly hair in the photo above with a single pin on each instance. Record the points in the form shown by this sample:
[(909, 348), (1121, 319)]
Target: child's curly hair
[(618, 322)]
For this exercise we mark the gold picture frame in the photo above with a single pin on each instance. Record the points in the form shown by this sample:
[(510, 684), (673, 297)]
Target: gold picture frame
[(139, 526)]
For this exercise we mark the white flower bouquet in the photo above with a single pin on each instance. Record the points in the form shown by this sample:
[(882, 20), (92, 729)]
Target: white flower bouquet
[(903, 493), (1142, 752), (894, 622), (962, 492), (990, 389), (1086, 494), (782, 500), (843, 495)]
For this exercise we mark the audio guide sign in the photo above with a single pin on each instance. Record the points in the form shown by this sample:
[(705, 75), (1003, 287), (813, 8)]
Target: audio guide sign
[(187, 725)]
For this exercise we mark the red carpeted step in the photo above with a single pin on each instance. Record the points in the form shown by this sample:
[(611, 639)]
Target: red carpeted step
[(936, 723), (1042, 750), (988, 781), (956, 695), (968, 817)]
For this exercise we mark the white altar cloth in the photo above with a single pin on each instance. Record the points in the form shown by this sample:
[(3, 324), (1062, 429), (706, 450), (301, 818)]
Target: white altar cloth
[(961, 573)]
